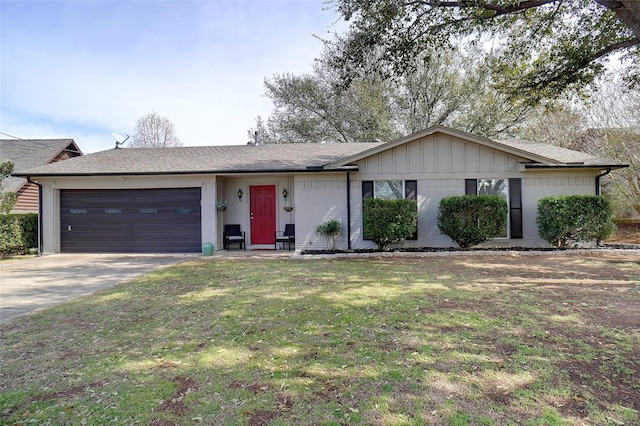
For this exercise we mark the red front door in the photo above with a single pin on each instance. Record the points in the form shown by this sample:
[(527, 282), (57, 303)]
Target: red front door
[(263, 214)]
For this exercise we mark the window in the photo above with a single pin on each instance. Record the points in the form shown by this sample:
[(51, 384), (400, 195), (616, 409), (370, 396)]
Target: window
[(510, 190), (78, 211), (148, 211), (113, 211), (388, 189), (495, 187)]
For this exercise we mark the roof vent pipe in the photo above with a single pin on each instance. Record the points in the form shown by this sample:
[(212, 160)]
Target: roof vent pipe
[(256, 139)]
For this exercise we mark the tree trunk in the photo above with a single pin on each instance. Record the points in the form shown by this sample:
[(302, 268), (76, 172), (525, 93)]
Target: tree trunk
[(628, 11)]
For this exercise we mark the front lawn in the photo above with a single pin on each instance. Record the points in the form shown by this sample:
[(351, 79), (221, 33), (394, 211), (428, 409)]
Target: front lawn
[(478, 340)]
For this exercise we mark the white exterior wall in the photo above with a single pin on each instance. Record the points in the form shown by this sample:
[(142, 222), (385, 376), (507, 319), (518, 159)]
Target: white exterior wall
[(440, 164), (51, 199), (430, 192), (50, 217), (208, 213), (238, 210), (213, 188), (320, 197), (536, 185)]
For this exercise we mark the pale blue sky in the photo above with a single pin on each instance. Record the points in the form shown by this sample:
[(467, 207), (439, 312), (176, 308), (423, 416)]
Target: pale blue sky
[(84, 69)]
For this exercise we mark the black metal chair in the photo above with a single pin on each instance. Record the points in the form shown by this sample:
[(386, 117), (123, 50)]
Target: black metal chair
[(233, 234), (287, 236)]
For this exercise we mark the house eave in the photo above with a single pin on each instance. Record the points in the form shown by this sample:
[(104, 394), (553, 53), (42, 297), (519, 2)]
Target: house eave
[(537, 166), (185, 173)]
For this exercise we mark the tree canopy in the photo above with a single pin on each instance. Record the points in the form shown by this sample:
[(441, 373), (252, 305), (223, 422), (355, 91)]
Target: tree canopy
[(451, 88), (607, 125), (540, 48)]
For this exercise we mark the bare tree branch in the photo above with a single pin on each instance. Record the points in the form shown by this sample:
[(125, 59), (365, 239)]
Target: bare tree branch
[(154, 131)]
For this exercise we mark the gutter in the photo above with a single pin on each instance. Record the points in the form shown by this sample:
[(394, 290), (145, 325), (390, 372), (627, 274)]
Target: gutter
[(565, 166), (318, 169), (598, 180), (40, 221)]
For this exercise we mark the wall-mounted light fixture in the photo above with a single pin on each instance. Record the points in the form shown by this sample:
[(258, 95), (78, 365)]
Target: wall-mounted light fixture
[(285, 194), (239, 194)]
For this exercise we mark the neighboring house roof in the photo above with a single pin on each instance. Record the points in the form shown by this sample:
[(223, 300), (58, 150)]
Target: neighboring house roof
[(30, 153), (290, 157)]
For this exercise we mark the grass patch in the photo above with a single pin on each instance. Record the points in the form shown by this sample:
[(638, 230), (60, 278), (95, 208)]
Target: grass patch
[(452, 341)]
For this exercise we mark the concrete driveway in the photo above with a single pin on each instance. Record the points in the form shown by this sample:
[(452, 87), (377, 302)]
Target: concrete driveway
[(30, 284)]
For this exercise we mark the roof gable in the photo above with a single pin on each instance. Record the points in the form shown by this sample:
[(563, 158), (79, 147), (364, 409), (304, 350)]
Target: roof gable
[(29, 153), (534, 153), (25, 153)]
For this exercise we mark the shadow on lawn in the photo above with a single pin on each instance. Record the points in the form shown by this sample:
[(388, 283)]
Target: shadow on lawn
[(357, 341)]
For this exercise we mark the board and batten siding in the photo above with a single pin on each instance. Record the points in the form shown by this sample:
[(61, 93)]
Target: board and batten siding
[(439, 154)]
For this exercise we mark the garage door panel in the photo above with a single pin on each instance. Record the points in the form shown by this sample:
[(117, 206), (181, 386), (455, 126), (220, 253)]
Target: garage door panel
[(133, 228), (126, 221), (130, 248), (115, 235)]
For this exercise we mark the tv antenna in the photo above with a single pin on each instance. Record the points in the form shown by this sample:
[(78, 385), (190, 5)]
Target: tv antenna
[(120, 140)]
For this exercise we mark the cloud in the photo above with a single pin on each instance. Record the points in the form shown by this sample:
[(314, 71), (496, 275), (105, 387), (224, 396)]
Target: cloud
[(85, 69)]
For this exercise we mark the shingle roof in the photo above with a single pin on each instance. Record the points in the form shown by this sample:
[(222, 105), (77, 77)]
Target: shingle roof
[(558, 155), (287, 157), (29, 153), (201, 159)]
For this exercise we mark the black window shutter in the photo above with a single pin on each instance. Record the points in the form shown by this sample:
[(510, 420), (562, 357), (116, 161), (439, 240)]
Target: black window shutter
[(471, 187), (367, 189), (367, 192), (411, 189), (515, 209), (411, 193)]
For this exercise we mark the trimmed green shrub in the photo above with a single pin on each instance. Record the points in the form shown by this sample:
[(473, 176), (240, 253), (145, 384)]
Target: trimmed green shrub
[(472, 219), (10, 235), (29, 230), (574, 218), (18, 232), (389, 221), (330, 230)]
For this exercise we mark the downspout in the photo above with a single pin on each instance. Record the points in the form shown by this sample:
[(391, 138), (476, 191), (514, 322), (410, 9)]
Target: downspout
[(39, 215), (598, 180), (349, 211), (598, 242)]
